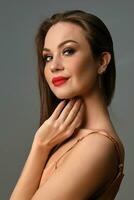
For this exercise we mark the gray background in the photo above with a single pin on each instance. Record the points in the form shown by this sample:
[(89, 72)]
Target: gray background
[(19, 100)]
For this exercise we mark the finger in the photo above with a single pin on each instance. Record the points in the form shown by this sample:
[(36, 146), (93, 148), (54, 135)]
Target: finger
[(72, 113), (76, 123), (78, 119), (66, 110), (58, 110)]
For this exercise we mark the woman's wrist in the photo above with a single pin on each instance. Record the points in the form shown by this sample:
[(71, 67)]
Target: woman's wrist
[(40, 145)]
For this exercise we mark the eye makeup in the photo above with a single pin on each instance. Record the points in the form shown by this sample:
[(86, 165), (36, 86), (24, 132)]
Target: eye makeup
[(67, 51)]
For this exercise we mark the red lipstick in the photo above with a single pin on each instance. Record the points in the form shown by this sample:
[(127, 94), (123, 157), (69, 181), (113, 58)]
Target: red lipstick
[(57, 81)]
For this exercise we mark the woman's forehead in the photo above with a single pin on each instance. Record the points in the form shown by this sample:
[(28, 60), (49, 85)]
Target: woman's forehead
[(64, 31)]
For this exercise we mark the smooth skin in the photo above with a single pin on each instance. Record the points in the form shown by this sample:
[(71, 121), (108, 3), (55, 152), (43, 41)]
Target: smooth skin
[(78, 177)]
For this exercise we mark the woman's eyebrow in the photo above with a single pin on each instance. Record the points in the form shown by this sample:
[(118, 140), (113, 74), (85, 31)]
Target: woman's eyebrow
[(61, 44)]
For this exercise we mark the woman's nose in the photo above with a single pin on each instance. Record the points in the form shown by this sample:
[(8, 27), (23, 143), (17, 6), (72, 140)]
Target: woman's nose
[(56, 64)]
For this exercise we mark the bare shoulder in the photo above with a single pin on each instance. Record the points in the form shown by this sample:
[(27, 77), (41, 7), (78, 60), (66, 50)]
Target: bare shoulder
[(109, 142), (96, 145), (91, 164), (119, 142)]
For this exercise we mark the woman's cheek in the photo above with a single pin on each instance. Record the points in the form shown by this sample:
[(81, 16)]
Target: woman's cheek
[(76, 68), (46, 74)]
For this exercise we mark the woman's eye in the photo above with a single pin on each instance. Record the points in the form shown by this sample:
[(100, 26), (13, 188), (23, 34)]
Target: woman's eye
[(47, 58), (68, 51)]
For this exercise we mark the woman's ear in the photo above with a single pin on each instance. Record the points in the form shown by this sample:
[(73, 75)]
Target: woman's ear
[(103, 62)]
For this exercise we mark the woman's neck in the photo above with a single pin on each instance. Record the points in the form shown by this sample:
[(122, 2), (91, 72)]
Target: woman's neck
[(96, 115)]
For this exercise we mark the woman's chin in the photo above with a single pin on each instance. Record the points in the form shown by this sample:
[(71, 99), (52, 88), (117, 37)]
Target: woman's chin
[(65, 96)]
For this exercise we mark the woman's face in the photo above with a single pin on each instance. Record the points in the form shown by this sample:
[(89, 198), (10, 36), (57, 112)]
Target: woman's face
[(67, 53)]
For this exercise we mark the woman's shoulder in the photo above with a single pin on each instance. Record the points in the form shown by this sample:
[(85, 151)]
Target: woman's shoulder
[(109, 135), (88, 138), (87, 142)]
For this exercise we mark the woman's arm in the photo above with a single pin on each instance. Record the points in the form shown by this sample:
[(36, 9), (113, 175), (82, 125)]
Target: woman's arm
[(58, 127), (31, 174), (90, 166)]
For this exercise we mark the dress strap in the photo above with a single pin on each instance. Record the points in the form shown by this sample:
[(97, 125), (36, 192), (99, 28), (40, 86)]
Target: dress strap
[(110, 190), (116, 144), (66, 152), (104, 133)]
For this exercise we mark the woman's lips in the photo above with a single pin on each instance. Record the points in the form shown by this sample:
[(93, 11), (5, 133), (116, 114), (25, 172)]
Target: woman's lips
[(60, 82)]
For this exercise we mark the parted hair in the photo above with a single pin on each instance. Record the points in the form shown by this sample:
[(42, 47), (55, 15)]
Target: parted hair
[(100, 40)]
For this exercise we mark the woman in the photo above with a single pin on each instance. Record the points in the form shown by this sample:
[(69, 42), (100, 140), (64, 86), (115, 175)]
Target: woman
[(76, 153)]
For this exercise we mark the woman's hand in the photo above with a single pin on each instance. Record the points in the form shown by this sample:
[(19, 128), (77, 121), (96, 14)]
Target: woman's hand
[(61, 124)]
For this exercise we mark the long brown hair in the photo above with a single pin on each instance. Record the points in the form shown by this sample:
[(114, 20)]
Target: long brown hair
[(99, 39)]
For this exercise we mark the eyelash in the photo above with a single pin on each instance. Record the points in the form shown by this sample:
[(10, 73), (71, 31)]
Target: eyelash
[(71, 50)]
